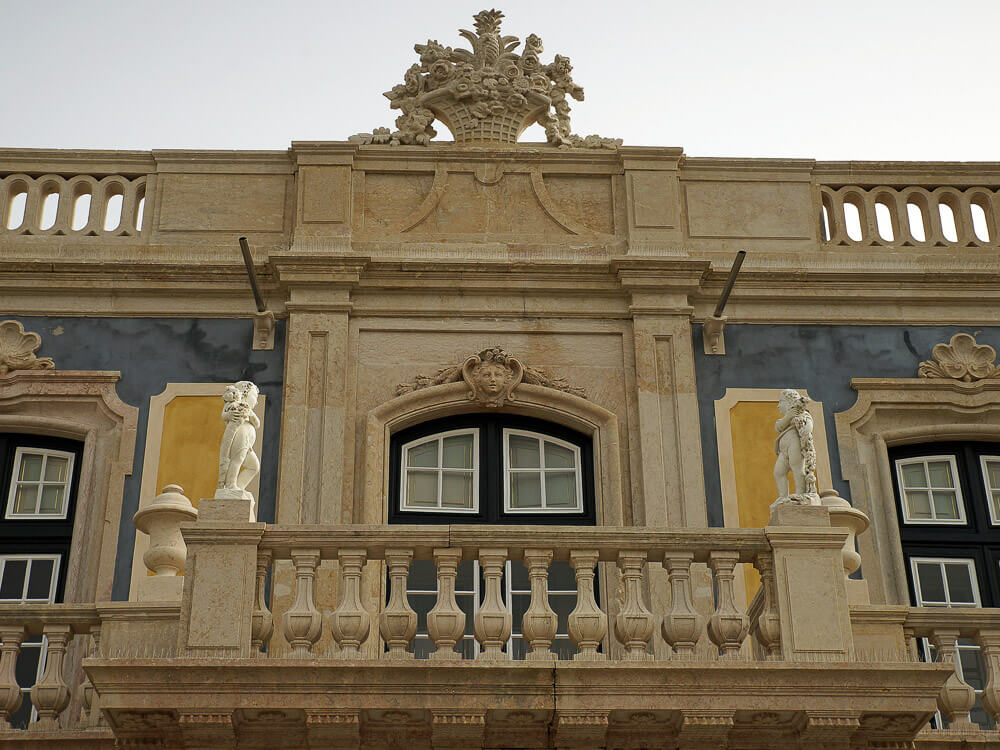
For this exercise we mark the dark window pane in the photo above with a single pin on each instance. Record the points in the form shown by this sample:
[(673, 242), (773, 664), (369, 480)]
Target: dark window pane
[(421, 647), (20, 718), (519, 576), (520, 606), (422, 604), (27, 665), (422, 577), (562, 605), (40, 579), (12, 585), (561, 576), (931, 583), (959, 583), (973, 668), (564, 648), (465, 579), (465, 603), (519, 646), (467, 648)]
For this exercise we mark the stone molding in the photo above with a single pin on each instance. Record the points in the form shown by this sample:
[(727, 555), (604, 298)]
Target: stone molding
[(961, 359), (81, 405), (452, 398), (148, 488), (900, 411), (17, 349)]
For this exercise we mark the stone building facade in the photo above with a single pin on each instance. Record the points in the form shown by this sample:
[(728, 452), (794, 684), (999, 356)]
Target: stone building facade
[(516, 467)]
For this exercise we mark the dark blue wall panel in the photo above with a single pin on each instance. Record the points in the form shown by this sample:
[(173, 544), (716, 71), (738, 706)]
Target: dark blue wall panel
[(152, 352), (820, 359)]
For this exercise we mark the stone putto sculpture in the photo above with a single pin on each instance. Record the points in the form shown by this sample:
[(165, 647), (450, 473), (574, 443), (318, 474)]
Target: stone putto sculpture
[(487, 94), (795, 451), (491, 375), (238, 464)]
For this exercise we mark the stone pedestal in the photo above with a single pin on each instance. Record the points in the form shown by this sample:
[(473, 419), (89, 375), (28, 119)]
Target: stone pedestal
[(809, 578), (218, 601)]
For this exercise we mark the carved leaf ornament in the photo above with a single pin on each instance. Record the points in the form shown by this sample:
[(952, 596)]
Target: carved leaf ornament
[(491, 375), (961, 359), (487, 94), (17, 349)]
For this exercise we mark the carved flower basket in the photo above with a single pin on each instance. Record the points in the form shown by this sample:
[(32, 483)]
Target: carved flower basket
[(467, 128)]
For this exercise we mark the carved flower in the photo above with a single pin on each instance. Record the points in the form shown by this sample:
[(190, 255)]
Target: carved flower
[(475, 76), (497, 108), (503, 81), (462, 89), (510, 70), (530, 62), (539, 82), (480, 110), (440, 71), (562, 107), (490, 83), (521, 84), (412, 80), (533, 44), (516, 101)]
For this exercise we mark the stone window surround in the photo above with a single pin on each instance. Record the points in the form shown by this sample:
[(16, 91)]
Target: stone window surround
[(901, 411), (81, 405), (531, 401)]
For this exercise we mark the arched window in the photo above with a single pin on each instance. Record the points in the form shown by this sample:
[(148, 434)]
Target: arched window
[(491, 468)]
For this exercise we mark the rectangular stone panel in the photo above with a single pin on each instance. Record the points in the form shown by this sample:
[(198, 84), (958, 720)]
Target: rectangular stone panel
[(654, 199), (326, 194), (751, 209), (222, 202)]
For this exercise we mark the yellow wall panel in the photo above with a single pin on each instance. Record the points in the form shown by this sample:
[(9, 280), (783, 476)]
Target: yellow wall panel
[(189, 447)]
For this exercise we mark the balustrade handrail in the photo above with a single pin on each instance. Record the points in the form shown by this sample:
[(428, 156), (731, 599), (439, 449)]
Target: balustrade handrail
[(80, 618), (968, 622), (423, 539)]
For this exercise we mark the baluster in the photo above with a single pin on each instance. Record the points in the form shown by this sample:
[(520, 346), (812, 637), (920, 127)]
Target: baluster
[(727, 627), (681, 624), (989, 644), (11, 638), (398, 622), (588, 625), (50, 695), (493, 621), (302, 623), (634, 623), (957, 697), (261, 621), (446, 621), (910, 641), (90, 712), (768, 625), (539, 624), (350, 621)]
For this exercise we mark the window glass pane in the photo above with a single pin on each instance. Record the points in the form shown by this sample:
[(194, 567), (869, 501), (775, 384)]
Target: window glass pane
[(519, 580), (972, 667), (518, 607), (40, 579), (959, 579), (55, 469), (421, 488), (422, 604), (31, 468), (525, 490), (423, 455), (913, 475), (456, 490), (422, 647), (422, 576), (466, 575), (945, 505), (523, 452), (561, 576), (26, 498), (919, 503), (558, 457), (940, 474), (52, 499), (458, 452), (26, 670), (562, 605), (560, 490), (993, 473), (12, 583), (931, 583)]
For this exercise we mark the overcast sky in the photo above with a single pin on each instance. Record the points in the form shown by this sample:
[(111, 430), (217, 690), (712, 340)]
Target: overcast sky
[(852, 79)]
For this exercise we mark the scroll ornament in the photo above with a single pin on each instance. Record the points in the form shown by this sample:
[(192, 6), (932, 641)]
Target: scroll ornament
[(17, 349), (491, 375), (961, 359), (487, 94), (795, 451)]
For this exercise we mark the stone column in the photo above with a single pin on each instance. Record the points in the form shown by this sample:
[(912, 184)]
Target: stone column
[(220, 581), (809, 578)]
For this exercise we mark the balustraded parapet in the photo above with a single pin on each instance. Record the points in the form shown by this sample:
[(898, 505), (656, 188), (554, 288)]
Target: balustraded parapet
[(967, 638), (80, 205), (910, 216), (43, 638), (626, 632)]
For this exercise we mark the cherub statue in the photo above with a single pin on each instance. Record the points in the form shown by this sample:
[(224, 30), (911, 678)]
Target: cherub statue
[(795, 450), (238, 464)]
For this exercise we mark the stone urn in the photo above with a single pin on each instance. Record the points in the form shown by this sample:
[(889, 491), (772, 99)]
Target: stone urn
[(844, 516), (162, 520)]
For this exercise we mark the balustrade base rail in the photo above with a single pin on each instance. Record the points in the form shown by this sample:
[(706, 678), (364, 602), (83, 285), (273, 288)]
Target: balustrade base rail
[(363, 703)]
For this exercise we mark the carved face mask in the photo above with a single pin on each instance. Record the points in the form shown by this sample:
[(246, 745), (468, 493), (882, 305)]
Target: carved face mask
[(491, 378)]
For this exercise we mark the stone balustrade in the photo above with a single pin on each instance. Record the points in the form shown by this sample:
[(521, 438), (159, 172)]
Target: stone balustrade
[(625, 620), (943, 629), (80, 205), (61, 627)]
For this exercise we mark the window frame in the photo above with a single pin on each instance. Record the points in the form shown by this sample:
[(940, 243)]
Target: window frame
[(439, 470), (19, 453), (989, 490), (491, 474), (577, 470), (962, 519), (970, 563)]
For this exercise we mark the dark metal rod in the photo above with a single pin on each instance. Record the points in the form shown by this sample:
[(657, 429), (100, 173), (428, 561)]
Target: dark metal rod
[(248, 262), (729, 283)]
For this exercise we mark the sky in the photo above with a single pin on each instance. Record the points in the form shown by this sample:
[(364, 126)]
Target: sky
[(852, 79)]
